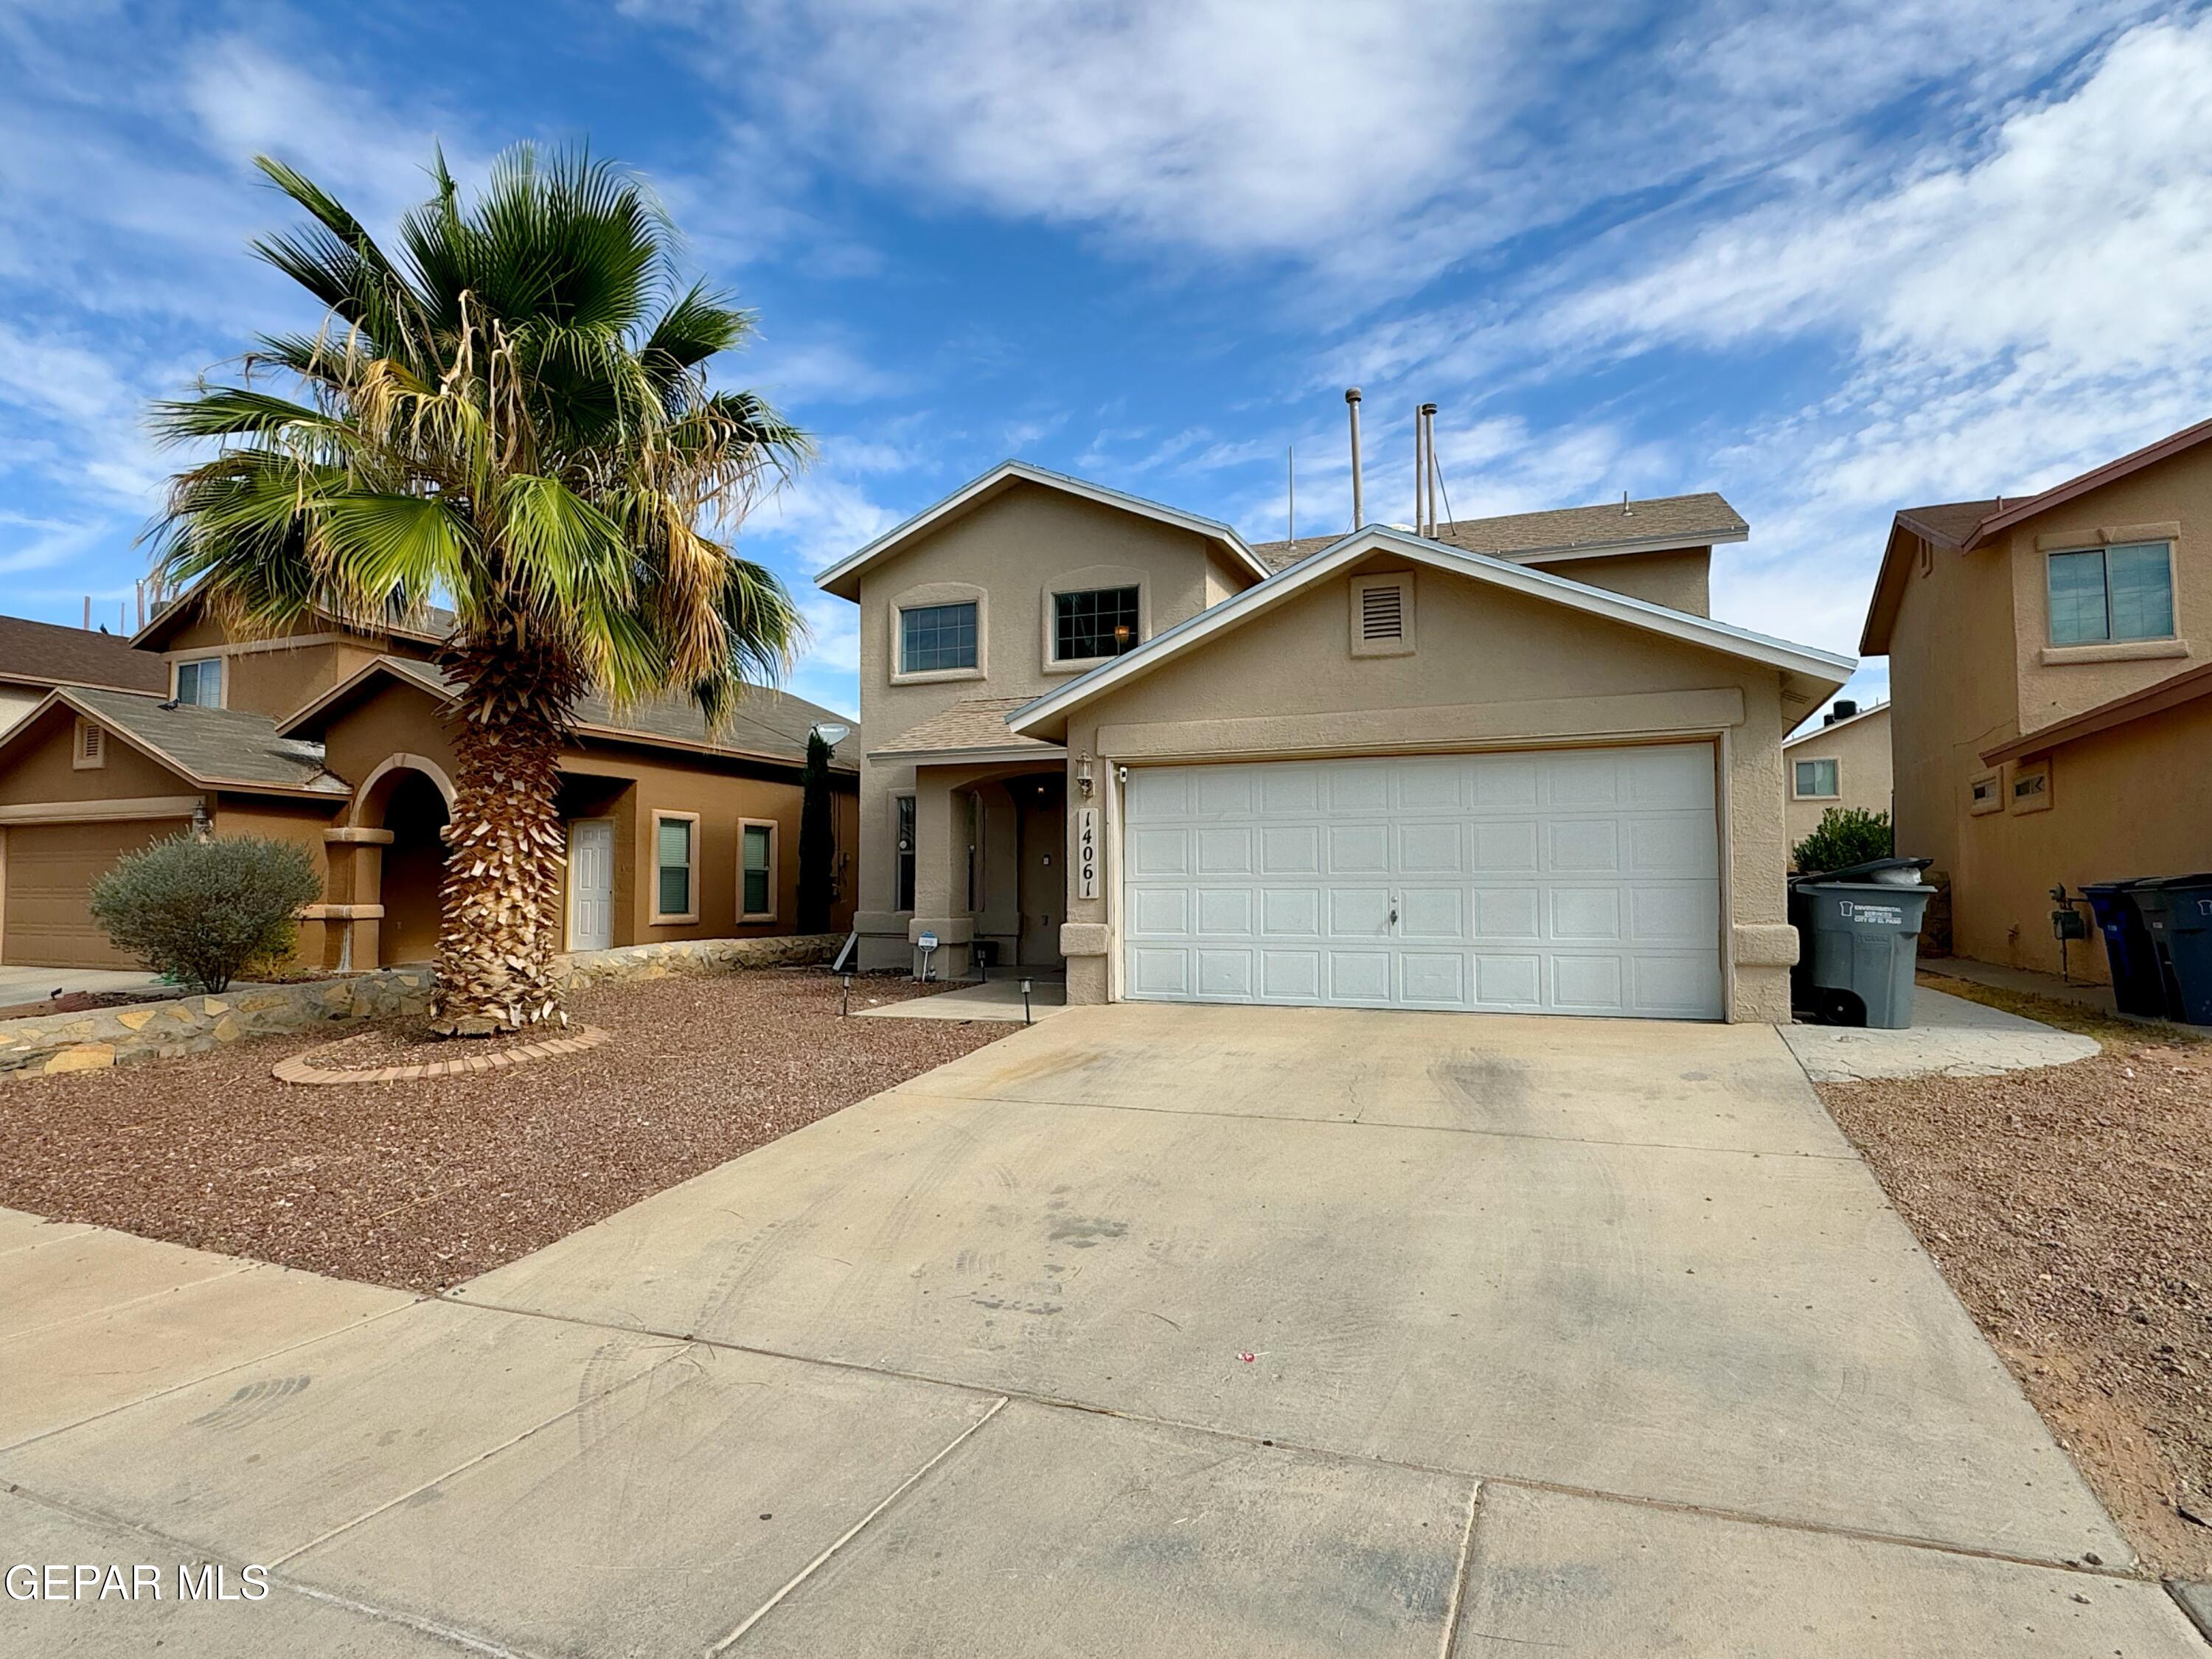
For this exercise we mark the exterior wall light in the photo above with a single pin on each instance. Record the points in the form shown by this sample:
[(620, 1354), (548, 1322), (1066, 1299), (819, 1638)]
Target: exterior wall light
[(1083, 774)]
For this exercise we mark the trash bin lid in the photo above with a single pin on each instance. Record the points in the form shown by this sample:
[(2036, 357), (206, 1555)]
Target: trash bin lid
[(1874, 869)]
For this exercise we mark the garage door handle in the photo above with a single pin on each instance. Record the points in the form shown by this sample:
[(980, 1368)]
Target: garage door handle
[(1394, 913)]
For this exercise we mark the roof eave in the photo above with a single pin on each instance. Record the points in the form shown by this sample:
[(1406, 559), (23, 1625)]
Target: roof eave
[(2096, 478), (1805, 668), (1614, 550)]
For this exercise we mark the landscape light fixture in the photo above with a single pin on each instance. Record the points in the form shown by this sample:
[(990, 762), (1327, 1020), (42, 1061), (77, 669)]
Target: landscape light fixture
[(1027, 1019)]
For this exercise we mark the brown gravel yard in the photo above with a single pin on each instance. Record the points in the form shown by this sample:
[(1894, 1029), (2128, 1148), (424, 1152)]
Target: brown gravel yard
[(2071, 1209), (419, 1185)]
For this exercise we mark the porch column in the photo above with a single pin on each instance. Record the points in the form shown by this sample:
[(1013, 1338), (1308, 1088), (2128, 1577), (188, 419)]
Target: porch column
[(940, 871)]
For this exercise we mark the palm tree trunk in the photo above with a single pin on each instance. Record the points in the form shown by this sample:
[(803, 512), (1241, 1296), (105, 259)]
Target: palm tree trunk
[(500, 929)]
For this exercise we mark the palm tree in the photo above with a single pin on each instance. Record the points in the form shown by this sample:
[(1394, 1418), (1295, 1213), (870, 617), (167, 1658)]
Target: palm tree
[(512, 417)]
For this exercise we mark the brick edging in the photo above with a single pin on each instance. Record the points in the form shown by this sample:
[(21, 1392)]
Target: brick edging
[(301, 1067)]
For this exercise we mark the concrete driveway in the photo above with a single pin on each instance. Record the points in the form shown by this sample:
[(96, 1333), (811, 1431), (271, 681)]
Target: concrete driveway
[(1150, 1330)]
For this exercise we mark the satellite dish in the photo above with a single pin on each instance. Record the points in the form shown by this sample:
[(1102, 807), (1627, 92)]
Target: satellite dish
[(832, 732)]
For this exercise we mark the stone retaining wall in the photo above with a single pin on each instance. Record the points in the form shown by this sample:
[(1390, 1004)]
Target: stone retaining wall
[(189, 1024)]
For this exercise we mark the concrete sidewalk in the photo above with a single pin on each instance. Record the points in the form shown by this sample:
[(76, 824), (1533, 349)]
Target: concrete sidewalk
[(1950, 1036), (1148, 1331)]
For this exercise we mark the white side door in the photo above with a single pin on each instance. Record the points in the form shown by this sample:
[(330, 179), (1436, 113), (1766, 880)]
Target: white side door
[(1576, 881), (590, 884)]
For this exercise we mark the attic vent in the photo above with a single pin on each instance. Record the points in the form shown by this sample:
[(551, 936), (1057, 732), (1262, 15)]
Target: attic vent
[(1382, 613), (91, 746)]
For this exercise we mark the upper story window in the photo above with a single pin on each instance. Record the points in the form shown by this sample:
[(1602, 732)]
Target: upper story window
[(1816, 779), (936, 637), (2111, 593), (200, 684), (1098, 622)]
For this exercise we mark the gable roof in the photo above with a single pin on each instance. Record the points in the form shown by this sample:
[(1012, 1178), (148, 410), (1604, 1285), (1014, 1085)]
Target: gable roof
[(1813, 673), (1965, 526), (768, 724), (214, 748), (2153, 699), (1658, 525), (1810, 732), (49, 655), (844, 578)]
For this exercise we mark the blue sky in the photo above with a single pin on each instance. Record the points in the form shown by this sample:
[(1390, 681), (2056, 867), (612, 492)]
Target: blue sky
[(1827, 260)]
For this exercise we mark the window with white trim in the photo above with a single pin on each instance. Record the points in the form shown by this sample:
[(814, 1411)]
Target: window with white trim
[(2108, 594), (199, 683), (755, 869), (675, 858), (1816, 779)]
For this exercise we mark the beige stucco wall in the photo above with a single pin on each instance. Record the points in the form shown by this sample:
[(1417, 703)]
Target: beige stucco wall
[(2133, 801), (1493, 670), (1971, 667), (1680, 579), (1860, 748), (1012, 551), (16, 701)]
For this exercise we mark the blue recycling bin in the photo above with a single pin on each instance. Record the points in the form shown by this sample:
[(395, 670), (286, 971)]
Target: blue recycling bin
[(2138, 986), (2177, 914)]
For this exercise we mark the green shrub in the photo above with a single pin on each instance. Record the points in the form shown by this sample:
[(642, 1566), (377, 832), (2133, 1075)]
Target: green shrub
[(818, 839), (1845, 835), (202, 912)]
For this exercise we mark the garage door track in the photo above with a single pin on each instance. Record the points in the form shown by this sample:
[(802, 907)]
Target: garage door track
[(1168, 1330)]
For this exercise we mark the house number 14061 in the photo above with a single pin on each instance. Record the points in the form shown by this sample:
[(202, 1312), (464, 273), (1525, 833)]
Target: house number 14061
[(1086, 851)]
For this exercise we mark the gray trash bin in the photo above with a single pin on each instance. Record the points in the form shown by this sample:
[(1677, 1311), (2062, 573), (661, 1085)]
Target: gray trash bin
[(1857, 944)]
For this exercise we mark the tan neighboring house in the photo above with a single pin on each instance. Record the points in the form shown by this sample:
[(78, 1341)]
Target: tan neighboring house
[(35, 657), (1842, 762), (1515, 766), (335, 737), (2051, 675)]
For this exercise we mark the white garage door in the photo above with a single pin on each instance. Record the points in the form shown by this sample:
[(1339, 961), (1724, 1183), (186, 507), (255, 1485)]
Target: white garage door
[(1562, 881)]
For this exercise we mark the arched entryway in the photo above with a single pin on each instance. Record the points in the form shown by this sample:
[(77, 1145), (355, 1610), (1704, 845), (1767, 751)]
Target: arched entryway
[(410, 800)]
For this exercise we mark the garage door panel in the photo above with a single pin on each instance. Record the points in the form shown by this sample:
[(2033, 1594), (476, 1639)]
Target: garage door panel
[(1290, 850), (50, 872), (1583, 881), (1225, 851)]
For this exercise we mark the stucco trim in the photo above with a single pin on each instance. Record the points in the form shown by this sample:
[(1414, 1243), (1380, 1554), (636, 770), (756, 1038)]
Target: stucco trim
[(1818, 667), (774, 868), (1085, 938), (1763, 944), (394, 763), (657, 917), (921, 597), (2058, 656), (1547, 721), (121, 810)]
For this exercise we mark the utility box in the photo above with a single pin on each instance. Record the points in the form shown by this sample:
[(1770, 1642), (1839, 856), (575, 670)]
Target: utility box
[(1858, 943)]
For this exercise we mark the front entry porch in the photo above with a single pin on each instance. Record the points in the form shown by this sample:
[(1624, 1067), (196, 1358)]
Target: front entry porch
[(983, 853)]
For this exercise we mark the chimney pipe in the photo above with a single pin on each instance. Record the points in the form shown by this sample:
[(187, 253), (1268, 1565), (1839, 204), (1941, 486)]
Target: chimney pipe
[(142, 601), (1420, 471), (87, 613), (1359, 507), (1429, 468)]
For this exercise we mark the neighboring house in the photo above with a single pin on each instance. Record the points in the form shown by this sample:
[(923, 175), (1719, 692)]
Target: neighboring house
[(334, 736), (1515, 767), (35, 657), (2048, 658), (1842, 762)]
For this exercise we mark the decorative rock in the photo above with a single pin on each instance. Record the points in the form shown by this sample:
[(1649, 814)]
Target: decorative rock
[(88, 1057)]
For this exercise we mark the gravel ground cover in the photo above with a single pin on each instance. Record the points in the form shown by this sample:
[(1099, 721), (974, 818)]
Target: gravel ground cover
[(422, 1184), (2071, 1209)]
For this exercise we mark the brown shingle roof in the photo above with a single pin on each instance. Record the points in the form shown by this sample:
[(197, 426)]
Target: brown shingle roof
[(1684, 520), (768, 722), (972, 723), (212, 746), (1947, 522), (47, 654)]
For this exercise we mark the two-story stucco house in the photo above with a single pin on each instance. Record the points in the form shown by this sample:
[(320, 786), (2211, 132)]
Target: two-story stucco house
[(2052, 680), (1512, 765), (1844, 761)]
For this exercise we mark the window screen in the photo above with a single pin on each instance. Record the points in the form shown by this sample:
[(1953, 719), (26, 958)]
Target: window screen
[(1816, 777), (937, 636), (759, 871), (1101, 622), (200, 684), (2100, 593), (675, 858)]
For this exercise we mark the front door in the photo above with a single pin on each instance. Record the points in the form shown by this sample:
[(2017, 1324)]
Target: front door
[(1042, 801), (590, 884)]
